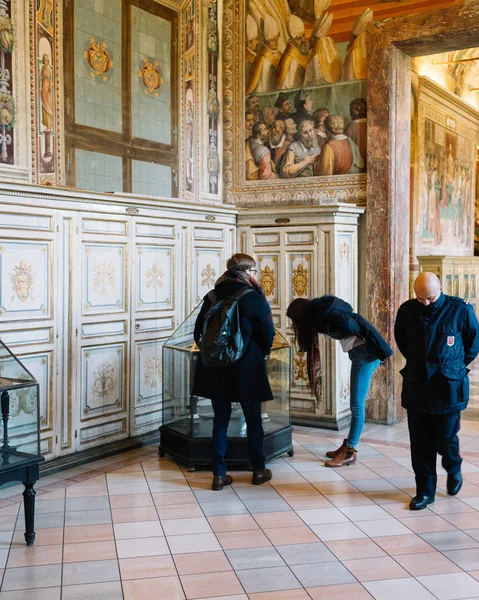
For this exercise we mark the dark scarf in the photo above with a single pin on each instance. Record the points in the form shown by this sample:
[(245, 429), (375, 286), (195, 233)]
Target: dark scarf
[(315, 373), (240, 277)]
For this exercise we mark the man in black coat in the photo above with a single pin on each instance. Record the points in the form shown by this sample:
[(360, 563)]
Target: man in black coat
[(246, 380), (439, 336)]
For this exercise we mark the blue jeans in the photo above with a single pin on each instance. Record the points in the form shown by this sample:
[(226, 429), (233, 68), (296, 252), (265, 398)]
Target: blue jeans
[(364, 363), (254, 430)]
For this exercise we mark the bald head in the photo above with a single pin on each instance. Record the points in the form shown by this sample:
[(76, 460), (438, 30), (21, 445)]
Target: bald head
[(427, 288)]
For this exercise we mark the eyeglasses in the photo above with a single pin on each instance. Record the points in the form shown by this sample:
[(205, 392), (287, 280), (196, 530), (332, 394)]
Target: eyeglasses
[(253, 271)]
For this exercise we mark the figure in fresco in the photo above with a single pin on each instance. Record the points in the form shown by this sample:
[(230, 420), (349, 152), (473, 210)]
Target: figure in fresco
[(358, 129), (258, 159), (303, 104), (278, 142), (355, 63), (249, 121), (263, 72), (293, 63), (267, 115), (319, 116), (252, 104), (278, 10), (46, 100), (434, 220), (291, 129), (325, 64), (339, 155), (302, 154), (283, 104), (252, 43)]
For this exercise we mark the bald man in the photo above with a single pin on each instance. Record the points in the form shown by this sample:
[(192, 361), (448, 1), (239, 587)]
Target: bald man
[(438, 335)]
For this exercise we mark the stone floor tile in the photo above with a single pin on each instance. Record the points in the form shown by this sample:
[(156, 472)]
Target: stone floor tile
[(427, 563), (267, 580), (140, 529), (251, 558), (145, 567), (89, 533), (210, 584), (89, 551), (319, 574), (25, 578), (468, 560), (302, 554), (97, 571), (346, 591), (398, 589), (30, 556), (450, 540), (202, 562), (141, 589), (98, 591), (199, 542), (451, 586), (361, 548), (131, 548)]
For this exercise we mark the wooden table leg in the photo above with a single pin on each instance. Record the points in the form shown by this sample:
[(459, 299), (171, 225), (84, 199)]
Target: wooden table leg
[(29, 503)]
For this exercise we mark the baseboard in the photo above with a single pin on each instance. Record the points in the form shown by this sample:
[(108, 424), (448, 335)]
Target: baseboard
[(332, 425), (81, 458)]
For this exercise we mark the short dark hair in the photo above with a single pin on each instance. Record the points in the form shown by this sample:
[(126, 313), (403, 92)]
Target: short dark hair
[(240, 262), (256, 128), (358, 108)]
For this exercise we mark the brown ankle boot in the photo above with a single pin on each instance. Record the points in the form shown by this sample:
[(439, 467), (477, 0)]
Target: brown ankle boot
[(334, 453), (346, 456)]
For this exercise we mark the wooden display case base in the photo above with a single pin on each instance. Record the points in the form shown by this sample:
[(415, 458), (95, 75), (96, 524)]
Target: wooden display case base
[(196, 452)]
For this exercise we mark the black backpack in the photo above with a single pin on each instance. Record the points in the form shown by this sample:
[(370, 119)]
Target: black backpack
[(222, 342)]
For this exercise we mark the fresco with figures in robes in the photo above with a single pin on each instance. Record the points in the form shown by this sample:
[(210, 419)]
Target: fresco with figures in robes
[(305, 108), (447, 189)]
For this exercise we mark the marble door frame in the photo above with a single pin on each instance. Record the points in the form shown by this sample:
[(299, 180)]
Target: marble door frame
[(391, 45)]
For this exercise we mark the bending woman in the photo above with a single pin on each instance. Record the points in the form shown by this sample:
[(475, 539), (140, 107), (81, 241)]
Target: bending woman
[(366, 348)]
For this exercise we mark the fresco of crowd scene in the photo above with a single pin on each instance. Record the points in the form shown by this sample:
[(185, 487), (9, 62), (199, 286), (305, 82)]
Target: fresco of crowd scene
[(292, 139)]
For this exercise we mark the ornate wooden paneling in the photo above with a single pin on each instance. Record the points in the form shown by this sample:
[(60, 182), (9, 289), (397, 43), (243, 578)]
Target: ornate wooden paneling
[(104, 284), (26, 279)]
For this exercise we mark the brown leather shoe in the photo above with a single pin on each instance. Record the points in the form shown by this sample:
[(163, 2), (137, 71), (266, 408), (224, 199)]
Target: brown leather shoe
[(334, 453), (259, 478), (346, 456), (219, 482)]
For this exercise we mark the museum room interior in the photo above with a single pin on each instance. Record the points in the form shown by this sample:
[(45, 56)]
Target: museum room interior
[(144, 142)]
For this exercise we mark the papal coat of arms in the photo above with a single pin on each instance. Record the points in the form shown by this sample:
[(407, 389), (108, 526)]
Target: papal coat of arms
[(268, 280), (300, 281), (22, 279), (98, 58), (150, 77)]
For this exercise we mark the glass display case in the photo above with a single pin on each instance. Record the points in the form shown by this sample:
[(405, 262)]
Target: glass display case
[(20, 431), (188, 420)]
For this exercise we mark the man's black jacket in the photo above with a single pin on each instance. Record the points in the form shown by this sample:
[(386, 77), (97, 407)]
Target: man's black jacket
[(438, 343)]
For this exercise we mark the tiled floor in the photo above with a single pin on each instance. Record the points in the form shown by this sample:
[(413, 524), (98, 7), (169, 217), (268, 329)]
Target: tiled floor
[(135, 526)]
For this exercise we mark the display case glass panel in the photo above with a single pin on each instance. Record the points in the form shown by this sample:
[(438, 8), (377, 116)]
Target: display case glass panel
[(19, 394), (192, 416)]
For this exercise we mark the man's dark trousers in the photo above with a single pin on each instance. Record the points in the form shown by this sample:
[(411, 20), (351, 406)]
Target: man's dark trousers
[(431, 435)]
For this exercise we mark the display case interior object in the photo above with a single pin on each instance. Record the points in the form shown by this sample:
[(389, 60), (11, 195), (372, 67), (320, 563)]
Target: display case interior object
[(188, 419), (20, 430)]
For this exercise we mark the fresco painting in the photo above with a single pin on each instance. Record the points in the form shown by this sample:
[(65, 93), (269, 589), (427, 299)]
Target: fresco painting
[(447, 189), (305, 108)]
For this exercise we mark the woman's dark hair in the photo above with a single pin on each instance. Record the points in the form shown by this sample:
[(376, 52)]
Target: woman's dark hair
[(240, 262), (303, 329)]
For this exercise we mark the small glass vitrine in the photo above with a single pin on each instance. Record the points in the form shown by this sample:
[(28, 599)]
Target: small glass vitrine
[(188, 419), (20, 431)]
